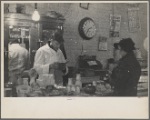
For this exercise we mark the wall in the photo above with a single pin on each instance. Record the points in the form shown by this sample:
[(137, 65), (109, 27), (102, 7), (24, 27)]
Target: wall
[(99, 12), (139, 36)]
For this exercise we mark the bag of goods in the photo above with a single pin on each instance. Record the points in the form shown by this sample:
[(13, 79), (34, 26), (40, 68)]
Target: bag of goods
[(55, 93), (45, 80), (23, 90), (103, 88), (52, 90), (34, 94), (47, 90), (90, 89), (35, 86)]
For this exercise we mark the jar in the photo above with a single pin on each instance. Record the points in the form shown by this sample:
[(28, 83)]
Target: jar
[(94, 83), (25, 81), (78, 77), (73, 89), (78, 80), (69, 81)]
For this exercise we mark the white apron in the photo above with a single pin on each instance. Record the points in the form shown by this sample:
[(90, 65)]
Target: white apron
[(18, 61), (43, 58)]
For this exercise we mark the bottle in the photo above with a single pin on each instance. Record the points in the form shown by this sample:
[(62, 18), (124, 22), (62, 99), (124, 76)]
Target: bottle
[(78, 80), (69, 85), (98, 86), (70, 82), (78, 84), (77, 90), (73, 89), (25, 81), (94, 83)]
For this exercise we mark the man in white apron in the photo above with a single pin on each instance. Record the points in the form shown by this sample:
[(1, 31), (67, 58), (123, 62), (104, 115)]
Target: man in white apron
[(18, 61), (46, 62)]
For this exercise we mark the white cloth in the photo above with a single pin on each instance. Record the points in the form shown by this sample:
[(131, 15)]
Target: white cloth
[(18, 61), (43, 58)]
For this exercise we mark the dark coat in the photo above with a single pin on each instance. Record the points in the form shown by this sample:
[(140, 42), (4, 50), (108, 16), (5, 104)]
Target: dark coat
[(126, 76)]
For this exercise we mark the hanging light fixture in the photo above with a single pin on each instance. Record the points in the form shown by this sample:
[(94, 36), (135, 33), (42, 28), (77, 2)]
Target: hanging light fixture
[(36, 15)]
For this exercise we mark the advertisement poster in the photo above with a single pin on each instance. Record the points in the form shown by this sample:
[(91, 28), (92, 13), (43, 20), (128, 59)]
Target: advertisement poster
[(133, 19), (102, 43), (115, 21)]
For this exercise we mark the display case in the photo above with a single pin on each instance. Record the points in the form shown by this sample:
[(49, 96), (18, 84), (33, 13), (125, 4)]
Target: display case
[(29, 32), (21, 26)]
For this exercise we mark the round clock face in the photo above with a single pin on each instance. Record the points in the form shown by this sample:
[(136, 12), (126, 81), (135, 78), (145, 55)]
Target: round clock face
[(87, 28)]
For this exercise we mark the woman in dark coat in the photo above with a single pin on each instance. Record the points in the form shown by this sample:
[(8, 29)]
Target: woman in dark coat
[(126, 75)]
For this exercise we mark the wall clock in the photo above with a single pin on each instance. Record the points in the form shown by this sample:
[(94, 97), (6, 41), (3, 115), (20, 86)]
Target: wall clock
[(87, 28)]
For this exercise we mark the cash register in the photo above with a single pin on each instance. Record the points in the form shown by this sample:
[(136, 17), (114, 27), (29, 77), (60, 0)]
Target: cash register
[(89, 66), (91, 70)]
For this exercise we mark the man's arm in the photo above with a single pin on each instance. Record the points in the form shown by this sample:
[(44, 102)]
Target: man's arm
[(39, 65)]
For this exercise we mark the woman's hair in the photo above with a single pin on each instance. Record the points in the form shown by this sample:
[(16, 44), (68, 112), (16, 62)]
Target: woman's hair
[(116, 45), (127, 45)]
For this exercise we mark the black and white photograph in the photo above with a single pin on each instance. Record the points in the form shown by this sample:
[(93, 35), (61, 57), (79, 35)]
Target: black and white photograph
[(75, 59)]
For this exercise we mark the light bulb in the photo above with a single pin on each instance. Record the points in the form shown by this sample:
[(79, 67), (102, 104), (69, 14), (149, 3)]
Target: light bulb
[(36, 16)]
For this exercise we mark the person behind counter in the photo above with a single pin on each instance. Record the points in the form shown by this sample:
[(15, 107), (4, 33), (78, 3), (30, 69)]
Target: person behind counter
[(47, 59), (18, 61), (127, 73)]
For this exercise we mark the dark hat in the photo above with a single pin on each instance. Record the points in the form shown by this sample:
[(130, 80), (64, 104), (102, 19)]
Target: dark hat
[(116, 45), (127, 44)]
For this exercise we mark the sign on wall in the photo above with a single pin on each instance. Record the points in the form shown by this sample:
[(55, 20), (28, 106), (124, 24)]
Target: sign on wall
[(19, 32), (115, 21), (133, 19), (102, 45)]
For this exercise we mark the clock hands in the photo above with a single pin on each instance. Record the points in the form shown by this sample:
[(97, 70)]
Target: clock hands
[(88, 30)]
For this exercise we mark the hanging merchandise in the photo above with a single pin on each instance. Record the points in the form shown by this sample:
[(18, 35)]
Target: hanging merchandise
[(115, 21), (133, 19)]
